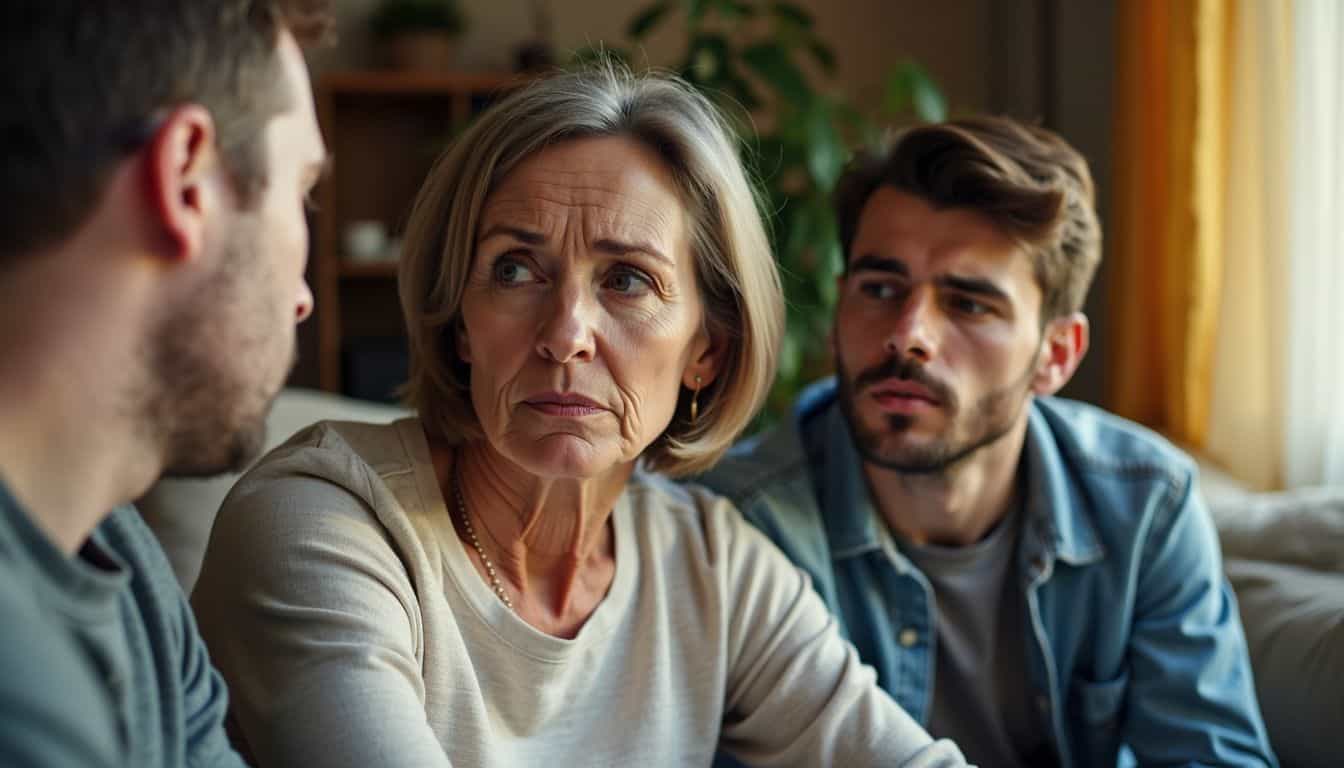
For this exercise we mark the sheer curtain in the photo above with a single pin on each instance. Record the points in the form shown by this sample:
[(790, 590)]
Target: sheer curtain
[(1313, 446), (1247, 395)]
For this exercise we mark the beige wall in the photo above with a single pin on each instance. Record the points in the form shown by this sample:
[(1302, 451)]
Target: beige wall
[(949, 37)]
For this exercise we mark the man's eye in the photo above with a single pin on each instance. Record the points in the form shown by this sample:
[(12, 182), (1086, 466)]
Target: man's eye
[(510, 272), (968, 306), (878, 290)]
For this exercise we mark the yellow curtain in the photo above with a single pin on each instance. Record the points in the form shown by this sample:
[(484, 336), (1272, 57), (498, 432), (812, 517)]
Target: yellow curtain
[(1166, 227), (1198, 232)]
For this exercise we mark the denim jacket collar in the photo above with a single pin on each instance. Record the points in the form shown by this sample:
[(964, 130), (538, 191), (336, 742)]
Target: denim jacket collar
[(1057, 525)]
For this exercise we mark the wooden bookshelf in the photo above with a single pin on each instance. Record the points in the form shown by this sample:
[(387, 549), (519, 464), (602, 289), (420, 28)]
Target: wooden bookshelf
[(383, 130)]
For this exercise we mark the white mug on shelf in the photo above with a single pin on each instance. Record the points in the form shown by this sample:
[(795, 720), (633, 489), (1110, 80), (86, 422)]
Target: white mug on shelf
[(365, 240)]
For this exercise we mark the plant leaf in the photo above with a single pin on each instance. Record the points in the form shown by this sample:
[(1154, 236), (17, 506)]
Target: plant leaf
[(910, 89), (823, 55), (791, 13), (643, 24), (826, 152), (734, 9), (706, 64), (776, 67), (928, 101), (695, 9)]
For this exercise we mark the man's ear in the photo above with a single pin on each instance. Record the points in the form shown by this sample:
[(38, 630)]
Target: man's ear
[(705, 361), (1063, 345), (182, 164)]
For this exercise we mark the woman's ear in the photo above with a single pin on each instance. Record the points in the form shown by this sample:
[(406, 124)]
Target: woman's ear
[(1063, 345), (705, 360)]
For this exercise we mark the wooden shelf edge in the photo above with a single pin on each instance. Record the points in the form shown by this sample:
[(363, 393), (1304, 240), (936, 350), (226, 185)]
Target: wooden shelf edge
[(367, 269), (398, 82)]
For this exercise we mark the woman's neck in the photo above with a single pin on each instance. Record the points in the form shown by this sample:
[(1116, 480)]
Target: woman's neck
[(550, 540)]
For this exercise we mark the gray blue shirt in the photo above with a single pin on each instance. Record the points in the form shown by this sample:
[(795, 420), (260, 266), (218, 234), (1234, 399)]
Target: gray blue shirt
[(1133, 646), (100, 661)]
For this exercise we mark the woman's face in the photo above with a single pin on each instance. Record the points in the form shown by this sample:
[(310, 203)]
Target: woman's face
[(582, 317)]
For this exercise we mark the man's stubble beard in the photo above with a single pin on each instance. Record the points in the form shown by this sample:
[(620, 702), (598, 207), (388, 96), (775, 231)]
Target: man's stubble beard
[(989, 420), (209, 400)]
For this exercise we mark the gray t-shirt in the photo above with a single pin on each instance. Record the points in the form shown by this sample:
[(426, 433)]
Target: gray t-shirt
[(981, 697), (100, 662)]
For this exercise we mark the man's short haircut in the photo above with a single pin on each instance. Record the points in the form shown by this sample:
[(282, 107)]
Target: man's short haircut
[(1028, 181), (735, 270), (85, 83)]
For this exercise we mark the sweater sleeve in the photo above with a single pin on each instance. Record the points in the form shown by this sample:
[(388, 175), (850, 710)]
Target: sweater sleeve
[(310, 615), (797, 693)]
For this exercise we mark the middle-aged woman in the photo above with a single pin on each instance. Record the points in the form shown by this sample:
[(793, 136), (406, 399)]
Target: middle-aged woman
[(587, 288)]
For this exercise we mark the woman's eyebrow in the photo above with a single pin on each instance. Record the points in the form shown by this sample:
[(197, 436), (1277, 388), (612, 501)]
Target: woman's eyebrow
[(622, 248), (531, 237)]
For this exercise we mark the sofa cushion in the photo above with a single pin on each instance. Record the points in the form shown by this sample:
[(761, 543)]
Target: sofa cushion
[(1294, 621), (1302, 527), (181, 511)]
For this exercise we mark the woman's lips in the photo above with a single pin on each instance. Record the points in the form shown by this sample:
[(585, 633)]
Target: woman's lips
[(564, 404)]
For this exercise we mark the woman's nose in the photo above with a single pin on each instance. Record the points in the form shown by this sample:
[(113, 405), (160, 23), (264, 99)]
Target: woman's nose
[(567, 330)]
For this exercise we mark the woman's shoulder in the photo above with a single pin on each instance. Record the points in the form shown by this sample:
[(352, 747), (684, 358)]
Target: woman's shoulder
[(685, 513), (325, 472), (340, 452)]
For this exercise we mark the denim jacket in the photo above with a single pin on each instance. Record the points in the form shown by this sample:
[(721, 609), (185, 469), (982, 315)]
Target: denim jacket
[(1135, 651)]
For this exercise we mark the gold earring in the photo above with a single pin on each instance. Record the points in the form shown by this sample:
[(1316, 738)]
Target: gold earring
[(695, 401)]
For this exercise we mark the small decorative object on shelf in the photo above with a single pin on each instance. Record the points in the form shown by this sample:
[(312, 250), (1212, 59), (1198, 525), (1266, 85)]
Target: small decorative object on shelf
[(418, 34), (538, 53), (365, 240)]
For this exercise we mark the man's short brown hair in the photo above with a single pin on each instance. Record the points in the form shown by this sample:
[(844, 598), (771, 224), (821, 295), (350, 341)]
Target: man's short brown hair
[(84, 83), (1028, 181)]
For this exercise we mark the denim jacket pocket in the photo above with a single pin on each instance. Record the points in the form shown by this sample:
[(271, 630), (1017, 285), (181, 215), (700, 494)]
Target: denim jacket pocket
[(1099, 702), (1098, 707)]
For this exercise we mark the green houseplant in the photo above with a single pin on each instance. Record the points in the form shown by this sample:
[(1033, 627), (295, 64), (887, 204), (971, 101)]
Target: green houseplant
[(418, 34), (766, 66)]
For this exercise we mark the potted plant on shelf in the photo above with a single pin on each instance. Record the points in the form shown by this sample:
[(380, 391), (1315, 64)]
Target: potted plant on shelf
[(418, 34)]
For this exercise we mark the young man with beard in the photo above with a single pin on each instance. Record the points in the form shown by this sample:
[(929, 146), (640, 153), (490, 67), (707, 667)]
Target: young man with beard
[(156, 157), (1031, 577)]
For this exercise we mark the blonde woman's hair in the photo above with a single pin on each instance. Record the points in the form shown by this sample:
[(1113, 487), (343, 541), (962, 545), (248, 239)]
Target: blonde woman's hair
[(735, 269)]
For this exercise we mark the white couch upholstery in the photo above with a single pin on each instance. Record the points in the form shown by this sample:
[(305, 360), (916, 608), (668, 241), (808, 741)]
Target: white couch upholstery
[(181, 511), (1284, 555)]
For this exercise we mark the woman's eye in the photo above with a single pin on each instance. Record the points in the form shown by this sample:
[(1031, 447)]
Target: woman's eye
[(628, 281), (510, 272)]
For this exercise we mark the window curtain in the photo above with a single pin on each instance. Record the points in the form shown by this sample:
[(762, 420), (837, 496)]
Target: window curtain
[(1245, 426), (1227, 235), (1166, 228), (1313, 445)]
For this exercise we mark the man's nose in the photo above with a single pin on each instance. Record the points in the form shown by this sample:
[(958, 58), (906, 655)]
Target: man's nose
[(915, 332), (304, 308)]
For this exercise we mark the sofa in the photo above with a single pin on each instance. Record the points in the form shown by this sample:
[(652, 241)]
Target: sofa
[(1283, 553)]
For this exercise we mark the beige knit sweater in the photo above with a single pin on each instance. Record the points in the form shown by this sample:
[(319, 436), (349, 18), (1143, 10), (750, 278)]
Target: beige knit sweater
[(353, 630)]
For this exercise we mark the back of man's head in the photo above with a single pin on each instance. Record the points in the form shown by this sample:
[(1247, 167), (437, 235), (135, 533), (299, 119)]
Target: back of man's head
[(85, 83), (1026, 180)]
